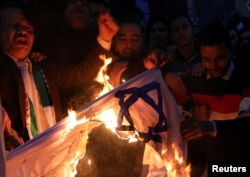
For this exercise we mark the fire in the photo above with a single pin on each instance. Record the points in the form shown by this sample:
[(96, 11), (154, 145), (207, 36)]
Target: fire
[(73, 121), (102, 77), (109, 116), (175, 163), (89, 162)]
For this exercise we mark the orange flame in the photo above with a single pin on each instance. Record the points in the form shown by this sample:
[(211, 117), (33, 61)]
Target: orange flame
[(109, 118), (175, 164), (73, 120), (102, 76)]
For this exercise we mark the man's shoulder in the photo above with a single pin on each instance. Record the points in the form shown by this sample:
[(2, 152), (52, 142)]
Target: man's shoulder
[(7, 62), (4, 58)]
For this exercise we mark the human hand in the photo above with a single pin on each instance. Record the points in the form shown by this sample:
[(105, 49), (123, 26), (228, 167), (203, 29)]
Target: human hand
[(115, 73), (174, 81), (6, 123), (157, 58), (37, 56), (108, 27), (11, 138), (198, 69), (193, 128), (201, 111)]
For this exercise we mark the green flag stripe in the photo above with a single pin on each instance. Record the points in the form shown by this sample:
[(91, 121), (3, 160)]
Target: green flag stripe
[(33, 120), (41, 86)]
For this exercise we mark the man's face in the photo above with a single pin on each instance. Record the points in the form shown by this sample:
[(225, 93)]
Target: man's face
[(159, 29), (128, 41), (181, 31), (244, 40), (17, 34), (215, 58), (158, 34), (77, 14)]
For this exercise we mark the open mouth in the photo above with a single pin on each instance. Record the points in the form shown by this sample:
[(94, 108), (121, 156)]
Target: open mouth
[(79, 12), (22, 41)]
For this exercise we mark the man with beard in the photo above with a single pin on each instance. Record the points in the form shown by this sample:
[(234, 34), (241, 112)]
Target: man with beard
[(120, 158), (128, 46), (28, 95), (131, 55)]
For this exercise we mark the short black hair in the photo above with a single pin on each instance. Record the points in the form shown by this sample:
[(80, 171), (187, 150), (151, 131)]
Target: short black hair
[(9, 5), (177, 16), (129, 17), (214, 34), (156, 19), (24, 9)]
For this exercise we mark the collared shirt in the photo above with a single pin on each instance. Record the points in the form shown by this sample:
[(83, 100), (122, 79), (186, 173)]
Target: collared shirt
[(226, 77), (220, 95), (228, 73), (106, 45)]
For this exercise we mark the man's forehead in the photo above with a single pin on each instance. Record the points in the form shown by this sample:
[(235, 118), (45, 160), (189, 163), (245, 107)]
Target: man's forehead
[(129, 27), (214, 50), (180, 21)]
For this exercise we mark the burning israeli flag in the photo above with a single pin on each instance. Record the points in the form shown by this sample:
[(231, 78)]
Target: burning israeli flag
[(140, 109)]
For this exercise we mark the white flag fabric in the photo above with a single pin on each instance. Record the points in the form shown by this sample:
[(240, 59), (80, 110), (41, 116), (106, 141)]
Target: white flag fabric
[(2, 145), (144, 101)]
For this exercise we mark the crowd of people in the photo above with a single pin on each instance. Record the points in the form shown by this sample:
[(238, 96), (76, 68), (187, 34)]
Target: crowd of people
[(50, 57)]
